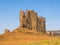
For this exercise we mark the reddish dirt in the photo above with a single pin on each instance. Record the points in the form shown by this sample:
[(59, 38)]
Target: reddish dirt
[(21, 35)]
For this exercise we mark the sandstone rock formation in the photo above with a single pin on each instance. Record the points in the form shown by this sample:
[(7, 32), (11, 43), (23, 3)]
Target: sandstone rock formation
[(31, 21), (7, 31), (22, 19), (41, 24), (28, 16), (30, 24)]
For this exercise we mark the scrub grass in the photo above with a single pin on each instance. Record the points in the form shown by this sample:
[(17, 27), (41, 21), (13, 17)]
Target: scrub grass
[(44, 42)]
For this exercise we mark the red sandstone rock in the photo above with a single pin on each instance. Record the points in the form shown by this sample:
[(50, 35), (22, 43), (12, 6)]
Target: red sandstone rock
[(32, 21)]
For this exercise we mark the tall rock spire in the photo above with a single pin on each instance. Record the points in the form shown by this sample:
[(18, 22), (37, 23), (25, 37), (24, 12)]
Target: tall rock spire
[(22, 19), (31, 20)]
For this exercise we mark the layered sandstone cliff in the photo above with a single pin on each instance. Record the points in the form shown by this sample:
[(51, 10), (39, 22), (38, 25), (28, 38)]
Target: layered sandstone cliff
[(31, 21)]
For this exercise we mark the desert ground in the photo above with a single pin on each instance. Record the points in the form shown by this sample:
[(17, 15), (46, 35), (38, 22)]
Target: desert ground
[(26, 38), (33, 40)]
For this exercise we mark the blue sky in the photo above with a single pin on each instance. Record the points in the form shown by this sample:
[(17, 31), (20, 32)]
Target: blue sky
[(9, 12)]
